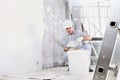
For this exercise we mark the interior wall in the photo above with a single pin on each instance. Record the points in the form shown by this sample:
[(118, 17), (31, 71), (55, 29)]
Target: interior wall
[(21, 31), (54, 15)]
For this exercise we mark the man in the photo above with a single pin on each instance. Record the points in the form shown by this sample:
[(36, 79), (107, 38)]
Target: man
[(73, 35), (72, 39)]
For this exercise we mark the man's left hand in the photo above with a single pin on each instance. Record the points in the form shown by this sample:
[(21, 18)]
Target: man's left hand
[(87, 37)]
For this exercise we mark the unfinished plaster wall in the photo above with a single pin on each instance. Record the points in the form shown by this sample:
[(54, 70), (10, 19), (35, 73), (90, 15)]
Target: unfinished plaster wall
[(54, 15)]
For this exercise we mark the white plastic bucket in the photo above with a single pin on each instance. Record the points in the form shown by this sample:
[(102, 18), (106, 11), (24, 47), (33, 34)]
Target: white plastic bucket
[(79, 62)]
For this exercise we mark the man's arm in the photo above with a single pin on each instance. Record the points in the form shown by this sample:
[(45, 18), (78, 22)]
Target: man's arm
[(61, 44), (85, 36)]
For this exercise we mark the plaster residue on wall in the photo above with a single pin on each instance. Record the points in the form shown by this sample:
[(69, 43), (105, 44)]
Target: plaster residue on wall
[(54, 15)]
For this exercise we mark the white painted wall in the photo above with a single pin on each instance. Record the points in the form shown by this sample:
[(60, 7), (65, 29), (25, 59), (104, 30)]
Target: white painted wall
[(21, 30)]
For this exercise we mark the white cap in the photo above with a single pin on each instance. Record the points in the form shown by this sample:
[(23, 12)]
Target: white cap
[(67, 23)]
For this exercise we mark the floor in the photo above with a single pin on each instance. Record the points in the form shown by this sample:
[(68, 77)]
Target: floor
[(57, 73)]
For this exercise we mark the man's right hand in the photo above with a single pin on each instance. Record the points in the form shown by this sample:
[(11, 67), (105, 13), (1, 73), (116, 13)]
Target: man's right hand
[(66, 49)]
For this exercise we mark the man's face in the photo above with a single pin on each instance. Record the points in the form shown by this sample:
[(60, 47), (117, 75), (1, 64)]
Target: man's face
[(69, 30)]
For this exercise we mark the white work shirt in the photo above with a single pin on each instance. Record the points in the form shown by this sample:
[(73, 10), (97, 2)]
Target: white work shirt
[(67, 37)]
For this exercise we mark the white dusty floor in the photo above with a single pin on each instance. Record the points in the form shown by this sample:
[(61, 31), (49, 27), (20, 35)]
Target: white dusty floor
[(58, 73)]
